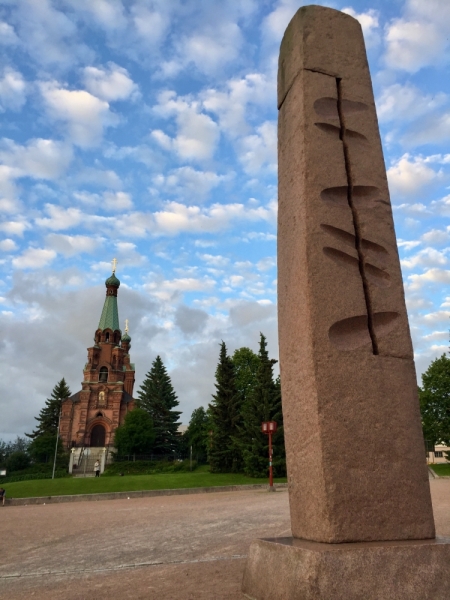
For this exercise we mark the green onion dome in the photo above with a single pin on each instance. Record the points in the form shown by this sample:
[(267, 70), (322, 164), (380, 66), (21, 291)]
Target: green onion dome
[(112, 281)]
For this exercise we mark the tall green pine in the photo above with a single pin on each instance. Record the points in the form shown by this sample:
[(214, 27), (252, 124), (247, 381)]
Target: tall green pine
[(224, 455), (197, 434), (157, 396), (49, 415), (262, 404)]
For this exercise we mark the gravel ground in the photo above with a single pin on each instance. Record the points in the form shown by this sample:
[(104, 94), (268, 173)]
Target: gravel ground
[(174, 547)]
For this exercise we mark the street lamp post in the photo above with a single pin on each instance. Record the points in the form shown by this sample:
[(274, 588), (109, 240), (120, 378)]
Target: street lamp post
[(57, 438), (269, 427)]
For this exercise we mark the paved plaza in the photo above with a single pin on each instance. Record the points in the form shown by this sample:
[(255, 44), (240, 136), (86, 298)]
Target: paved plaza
[(173, 547)]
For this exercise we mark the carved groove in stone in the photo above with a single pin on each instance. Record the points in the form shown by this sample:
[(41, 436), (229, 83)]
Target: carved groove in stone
[(364, 196), (352, 333), (336, 131), (342, 258), (375, 275), (327, 107), (371, 249)]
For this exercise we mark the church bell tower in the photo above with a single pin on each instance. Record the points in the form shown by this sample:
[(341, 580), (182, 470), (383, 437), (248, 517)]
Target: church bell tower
[(91, 416)]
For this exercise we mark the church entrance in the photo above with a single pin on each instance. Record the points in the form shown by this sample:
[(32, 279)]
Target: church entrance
[(98, 436)]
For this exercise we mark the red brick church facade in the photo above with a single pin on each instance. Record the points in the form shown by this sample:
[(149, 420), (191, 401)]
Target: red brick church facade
[(91, 416)]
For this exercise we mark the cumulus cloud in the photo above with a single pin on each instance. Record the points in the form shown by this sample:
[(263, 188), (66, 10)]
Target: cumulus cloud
[(191, 184), (428, 258), (212, 48), (260, 149), (85, 116), (15, 227), (8, 245), (13, 90), (34, 258), (39, 158), (8, 36), (442, 206), (420, 38), (117, 201), (110, 84), (231, 105), (48, 35), (409, 175), (406, 102), (197, 134), (164, 289), (8, 191), (69, 245), (60, 218), (417, 281)]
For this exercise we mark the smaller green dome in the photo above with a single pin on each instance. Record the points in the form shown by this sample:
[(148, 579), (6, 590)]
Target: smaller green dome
[(112, 281), (126, 338)]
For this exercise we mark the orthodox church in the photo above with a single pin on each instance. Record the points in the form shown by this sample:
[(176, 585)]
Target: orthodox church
[(90, 417)]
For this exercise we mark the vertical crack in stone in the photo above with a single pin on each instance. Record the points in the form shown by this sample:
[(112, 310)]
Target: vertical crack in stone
[(356, 225)]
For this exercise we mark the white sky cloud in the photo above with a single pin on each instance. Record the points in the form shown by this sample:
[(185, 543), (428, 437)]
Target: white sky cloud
[(113, 83), (41, 159), (13, 90), (410, 175), (197, 134), (406, 102), (84, 115), (60, 218), (34, 258), (8, 245), (420, 38), (117, 201), (260, 150), (69, 245)]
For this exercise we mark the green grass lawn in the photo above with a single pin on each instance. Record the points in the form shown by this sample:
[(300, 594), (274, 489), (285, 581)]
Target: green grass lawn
[(441, 470), (129, 483)]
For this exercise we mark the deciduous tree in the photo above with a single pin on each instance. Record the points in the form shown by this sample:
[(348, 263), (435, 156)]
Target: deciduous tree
[(136, 435), (434, 398)]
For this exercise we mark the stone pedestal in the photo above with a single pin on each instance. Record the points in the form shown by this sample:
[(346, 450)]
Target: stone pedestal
[(293, 569)]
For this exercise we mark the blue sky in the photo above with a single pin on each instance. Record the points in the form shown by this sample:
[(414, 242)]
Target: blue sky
[(146, 130)]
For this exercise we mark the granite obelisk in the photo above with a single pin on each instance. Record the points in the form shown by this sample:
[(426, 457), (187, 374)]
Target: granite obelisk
[(355, 454)]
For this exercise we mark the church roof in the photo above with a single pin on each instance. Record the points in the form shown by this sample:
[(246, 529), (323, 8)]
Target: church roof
[(110, 314)]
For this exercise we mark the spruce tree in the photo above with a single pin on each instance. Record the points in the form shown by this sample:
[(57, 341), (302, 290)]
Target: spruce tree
[(49, 415), (157, 396), (224, 455), (197, 434), (262, 404)]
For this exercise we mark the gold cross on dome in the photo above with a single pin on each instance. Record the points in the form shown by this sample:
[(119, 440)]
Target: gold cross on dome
[(126, 325), (114, 264)]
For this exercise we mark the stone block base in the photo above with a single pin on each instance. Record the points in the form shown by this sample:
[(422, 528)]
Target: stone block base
[(293, 569)]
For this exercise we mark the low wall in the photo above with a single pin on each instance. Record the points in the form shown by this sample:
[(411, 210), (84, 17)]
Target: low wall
[(141, 494)]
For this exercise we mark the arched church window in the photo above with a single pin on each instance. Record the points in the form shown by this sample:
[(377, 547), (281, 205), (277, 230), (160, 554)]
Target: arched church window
[(103, 375), (99, 414), (107, 336)]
